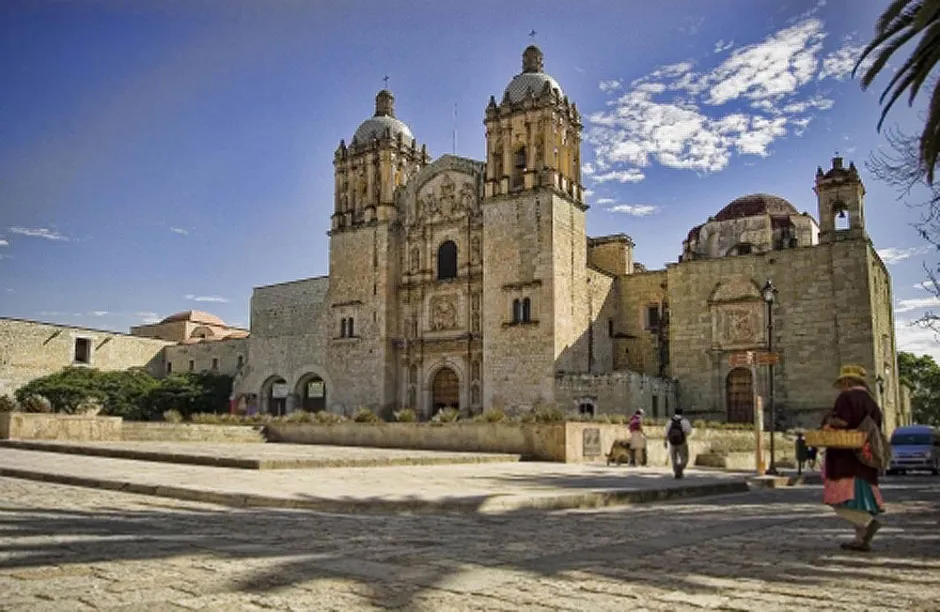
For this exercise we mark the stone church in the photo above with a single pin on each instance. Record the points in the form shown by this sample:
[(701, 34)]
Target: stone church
[(473, 284)]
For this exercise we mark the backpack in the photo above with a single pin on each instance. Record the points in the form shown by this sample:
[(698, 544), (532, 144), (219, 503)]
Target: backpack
[(876, 452), (675, 435)]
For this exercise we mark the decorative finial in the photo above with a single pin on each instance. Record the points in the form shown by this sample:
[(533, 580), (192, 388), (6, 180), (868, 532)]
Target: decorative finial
[(386, 81), (532, 34)]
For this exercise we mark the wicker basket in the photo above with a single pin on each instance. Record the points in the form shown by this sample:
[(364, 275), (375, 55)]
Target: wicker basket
[(835, 438)]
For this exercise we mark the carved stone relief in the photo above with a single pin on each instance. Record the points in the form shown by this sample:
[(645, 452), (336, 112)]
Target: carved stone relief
[(739, 325), (443, 312)]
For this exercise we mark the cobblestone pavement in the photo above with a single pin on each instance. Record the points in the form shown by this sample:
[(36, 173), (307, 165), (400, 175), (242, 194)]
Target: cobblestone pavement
[(65, 549)]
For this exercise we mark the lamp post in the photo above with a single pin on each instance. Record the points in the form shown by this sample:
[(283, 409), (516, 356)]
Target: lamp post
[(880, 381), (769, 292)]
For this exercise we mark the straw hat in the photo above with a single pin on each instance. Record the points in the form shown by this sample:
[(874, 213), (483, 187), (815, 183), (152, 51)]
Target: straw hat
[(854, 373)]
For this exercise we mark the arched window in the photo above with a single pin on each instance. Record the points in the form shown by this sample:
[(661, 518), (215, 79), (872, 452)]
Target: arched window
[(342, 328), (526, 310), (447, 260), (349, 327), (518, 168)]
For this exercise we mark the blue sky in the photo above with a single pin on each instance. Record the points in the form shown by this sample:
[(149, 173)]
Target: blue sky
[(166, 156)]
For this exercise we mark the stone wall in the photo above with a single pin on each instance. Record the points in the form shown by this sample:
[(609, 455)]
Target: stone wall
[(822, 318), (220, 356), (616, 393), (80, 428), (190, 432), (638, 344), (30, 349)]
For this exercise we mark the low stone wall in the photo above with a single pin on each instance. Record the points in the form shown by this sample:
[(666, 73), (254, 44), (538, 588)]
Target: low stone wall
[(190, 432), (531, 441), (743, 461), (36, 426), (573, 442)]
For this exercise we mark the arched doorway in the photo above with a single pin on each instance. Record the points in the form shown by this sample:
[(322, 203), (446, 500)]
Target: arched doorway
[(445, 390), (275, 391), (739, 390), (311, 393)]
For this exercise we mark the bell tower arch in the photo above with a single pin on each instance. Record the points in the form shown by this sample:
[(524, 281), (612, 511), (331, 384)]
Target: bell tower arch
[(840, 197)]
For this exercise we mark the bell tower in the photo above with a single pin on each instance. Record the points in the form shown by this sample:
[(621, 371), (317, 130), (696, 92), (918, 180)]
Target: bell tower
[(533, 136), (840, 196)]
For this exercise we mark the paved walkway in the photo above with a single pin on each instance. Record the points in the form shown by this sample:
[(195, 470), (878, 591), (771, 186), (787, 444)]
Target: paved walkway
[(489, 487), (69, 549), (261, 456)]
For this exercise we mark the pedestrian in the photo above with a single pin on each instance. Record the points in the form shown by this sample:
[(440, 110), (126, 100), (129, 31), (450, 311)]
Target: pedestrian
[(637, 439), (850, 486), (677, 441)]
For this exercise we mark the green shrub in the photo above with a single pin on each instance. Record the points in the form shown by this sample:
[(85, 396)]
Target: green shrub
[(494, 415), (446, 415), (406, 415), (173, 416), (36, 403), (328, 418), (7, 404), (364, 415), (547, 413), (89, 406)]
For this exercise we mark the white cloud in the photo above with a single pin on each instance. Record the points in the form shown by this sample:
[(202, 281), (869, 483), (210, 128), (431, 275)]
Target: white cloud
[(4, 243), (587, 169), (635, 210), (99, 313), (916, 304), (680, 116), (623, 176), (722, 46), (913, 338), (894, 255), (927, 285), (179, 230), (839, 64), (604, 201), (610, 85), (147, 317), (205, 298), (39, 232), (4, 256)]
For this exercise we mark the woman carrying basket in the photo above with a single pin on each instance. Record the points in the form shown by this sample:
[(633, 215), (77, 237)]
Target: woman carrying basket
[(850, 486)]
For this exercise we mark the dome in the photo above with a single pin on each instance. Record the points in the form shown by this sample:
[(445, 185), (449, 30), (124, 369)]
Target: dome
[(756, 204), (384, 119), (195, 316), (531, 78)]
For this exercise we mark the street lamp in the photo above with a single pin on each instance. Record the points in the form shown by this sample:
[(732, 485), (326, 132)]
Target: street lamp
[(880, 381), (769, 292)]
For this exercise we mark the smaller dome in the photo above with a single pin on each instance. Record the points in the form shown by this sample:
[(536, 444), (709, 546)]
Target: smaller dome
[(195, 316), (531, 78), (384, 119), (756, 204)]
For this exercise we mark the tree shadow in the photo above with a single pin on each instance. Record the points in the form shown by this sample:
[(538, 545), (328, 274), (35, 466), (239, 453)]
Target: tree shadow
[(399, 559)]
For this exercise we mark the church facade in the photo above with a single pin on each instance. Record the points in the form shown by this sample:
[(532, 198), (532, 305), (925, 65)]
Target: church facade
[(473, 284)]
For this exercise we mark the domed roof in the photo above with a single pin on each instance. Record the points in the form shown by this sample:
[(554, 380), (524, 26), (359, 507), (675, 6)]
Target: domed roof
[(384, 119), (531, 78), (756, 204), (195, 316)]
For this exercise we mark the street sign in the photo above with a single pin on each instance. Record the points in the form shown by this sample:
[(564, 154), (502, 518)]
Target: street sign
[(738, 360), (749, 358)]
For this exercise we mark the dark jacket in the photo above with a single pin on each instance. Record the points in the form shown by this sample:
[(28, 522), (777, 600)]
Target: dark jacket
[(851, 406)]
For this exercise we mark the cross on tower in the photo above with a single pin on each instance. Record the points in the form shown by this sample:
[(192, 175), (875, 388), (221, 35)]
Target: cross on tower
[(386, 81), (532, 34)]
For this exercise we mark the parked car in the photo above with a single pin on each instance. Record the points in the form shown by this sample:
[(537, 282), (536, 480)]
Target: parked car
[(915, 447)]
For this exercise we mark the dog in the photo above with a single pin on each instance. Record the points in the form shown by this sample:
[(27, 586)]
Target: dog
[(619, 452)]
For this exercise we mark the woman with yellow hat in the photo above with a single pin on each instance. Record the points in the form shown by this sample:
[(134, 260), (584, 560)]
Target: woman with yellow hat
[(850, 486)]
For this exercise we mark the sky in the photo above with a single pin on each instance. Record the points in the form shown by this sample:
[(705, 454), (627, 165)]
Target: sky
[(162, 156)]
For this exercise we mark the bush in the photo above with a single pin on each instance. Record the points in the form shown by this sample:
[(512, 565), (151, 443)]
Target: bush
[(406, 415), (36, 403), (547, 413), (328, 418), (446, 415), (172, 416), (494, 415), (364, 415), (7, 404), (89, 406)]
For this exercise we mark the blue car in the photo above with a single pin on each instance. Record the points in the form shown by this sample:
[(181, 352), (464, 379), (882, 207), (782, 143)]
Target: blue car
[(915, 447)]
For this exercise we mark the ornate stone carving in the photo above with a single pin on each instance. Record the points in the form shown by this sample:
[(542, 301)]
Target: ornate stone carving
[(443, 312), (448, 196), (475, 250), (415, 259), (468, 197), (735, 288), (739, 326)]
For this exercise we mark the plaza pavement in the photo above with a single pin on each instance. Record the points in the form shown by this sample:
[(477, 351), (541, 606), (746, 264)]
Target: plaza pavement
[(65, 549), (475, 488)]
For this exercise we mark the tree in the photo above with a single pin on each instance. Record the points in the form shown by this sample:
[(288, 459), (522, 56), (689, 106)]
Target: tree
[(899, 167), (900, 23), (922, 376)]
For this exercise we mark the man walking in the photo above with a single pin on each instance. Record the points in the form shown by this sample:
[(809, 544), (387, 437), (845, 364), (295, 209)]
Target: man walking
[(677, 434)]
